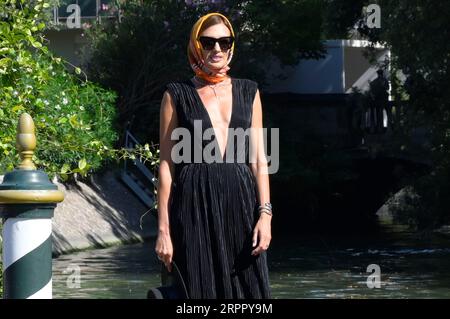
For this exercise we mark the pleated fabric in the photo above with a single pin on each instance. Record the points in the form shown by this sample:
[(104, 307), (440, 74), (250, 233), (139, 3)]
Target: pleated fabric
[(214, 207)]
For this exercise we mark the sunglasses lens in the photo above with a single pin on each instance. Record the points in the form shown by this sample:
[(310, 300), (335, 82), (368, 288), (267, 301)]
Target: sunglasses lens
[(225, 43), (209, 43)]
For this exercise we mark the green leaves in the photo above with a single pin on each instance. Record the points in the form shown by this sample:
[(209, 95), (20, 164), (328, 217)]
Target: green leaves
[(62, 120), (17, 108), (82, 164), (73, 121), (36, 44), (65, 168), (68, 113)]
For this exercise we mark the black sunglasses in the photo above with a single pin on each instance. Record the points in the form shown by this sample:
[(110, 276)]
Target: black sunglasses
[(209, 43)]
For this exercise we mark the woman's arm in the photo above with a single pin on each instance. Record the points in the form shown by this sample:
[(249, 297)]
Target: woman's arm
[(262, 232), (168, 121)]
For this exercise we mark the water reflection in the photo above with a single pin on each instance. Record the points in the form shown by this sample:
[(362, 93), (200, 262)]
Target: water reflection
[(117, 272), (307, 267)]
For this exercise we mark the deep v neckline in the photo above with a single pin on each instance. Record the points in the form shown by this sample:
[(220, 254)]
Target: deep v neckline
[(197, 95)]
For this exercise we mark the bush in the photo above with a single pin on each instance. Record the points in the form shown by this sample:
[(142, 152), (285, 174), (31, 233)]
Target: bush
[(74, 117)]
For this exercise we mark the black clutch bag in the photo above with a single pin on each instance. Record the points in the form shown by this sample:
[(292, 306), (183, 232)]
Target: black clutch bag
[(172, 285)]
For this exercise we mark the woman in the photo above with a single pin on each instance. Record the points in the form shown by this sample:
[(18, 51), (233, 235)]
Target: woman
[(214, 217)]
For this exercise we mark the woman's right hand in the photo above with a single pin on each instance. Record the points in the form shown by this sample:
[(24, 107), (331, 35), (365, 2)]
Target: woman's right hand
[(164, 249)]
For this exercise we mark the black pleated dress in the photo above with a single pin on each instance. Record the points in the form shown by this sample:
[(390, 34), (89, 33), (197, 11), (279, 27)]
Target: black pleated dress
[(214, 208)]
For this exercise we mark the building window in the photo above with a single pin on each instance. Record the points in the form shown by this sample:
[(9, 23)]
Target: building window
[(90, 10)]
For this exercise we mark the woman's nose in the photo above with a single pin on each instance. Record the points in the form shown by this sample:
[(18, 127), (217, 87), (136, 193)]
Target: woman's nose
[(217, 47)]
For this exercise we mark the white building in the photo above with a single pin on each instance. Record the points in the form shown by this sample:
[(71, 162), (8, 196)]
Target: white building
[(342, 68)]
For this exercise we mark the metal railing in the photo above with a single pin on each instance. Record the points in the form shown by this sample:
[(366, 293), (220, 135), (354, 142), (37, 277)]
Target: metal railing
[(137, 176)]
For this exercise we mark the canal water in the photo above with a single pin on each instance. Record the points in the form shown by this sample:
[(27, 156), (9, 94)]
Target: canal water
[(310, 266)]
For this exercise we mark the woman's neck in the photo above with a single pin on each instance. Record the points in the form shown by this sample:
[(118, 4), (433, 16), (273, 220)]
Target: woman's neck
[(200, 81)]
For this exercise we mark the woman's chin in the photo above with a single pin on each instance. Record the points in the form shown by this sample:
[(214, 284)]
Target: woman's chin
[(216, 65)]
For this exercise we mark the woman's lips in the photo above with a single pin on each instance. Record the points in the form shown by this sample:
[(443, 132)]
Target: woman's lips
[(216, 58)]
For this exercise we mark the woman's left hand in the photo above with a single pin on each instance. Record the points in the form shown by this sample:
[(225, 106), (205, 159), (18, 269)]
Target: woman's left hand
[(262, 234)]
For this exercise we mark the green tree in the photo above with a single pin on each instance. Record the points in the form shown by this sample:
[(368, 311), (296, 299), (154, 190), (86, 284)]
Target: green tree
[(74, 117)]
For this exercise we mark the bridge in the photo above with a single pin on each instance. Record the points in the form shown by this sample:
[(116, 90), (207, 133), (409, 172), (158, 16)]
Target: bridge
[(339, 163)]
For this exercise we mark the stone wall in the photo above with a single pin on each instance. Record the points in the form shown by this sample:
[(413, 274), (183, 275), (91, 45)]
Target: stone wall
[(99, 212)]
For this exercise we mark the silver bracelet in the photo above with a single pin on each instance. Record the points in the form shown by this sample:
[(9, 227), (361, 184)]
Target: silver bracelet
[(265, 211), (266, 208), (266, 205)]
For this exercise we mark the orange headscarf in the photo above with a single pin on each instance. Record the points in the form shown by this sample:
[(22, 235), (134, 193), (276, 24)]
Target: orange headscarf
[(195, 54)]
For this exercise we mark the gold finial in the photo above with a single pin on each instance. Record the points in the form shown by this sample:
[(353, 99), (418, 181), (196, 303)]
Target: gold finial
[(26, 141)]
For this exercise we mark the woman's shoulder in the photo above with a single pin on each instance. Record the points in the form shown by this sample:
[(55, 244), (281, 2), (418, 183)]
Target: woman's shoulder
[(175, 87), (176, 83), (246, 82)]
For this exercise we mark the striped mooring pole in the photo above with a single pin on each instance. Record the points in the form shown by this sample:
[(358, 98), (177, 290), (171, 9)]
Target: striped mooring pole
[(27, 203)]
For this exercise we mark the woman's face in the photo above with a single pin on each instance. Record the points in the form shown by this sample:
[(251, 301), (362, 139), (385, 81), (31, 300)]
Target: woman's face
[(216, 58)]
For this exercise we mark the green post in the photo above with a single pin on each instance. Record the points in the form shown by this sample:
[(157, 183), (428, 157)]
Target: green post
[(27, 203)]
